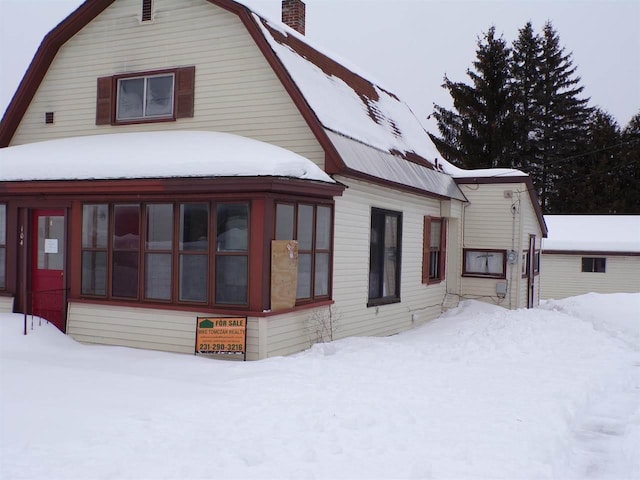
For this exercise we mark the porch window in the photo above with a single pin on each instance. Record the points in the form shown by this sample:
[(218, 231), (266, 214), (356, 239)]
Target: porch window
[(158, 252), (433, 254), (125, 251), (594, 264), (193, 269), (484, 263), (95, 232), (384, 257), (309, 224), (3, 247), (232, 260)]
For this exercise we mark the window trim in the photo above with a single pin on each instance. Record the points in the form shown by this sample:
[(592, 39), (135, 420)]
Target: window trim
[(145, 117), (426, 251), (467, 273), (389, 299), (594, 264)]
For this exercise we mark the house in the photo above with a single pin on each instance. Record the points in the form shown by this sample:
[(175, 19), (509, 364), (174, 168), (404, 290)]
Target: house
[(590, 253), (225, 168)]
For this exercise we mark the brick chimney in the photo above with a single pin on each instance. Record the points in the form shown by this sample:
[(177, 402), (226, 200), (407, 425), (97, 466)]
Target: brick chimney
[(293, 12)]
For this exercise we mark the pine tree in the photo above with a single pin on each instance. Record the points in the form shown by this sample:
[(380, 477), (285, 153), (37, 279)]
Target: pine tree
[(478, 134), (564, 121), (630, 169)]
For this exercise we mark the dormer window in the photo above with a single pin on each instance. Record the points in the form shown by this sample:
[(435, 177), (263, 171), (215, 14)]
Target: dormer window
[(147, 10), (145, 97)]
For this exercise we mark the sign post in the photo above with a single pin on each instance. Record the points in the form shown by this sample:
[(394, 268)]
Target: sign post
[(221, 335)]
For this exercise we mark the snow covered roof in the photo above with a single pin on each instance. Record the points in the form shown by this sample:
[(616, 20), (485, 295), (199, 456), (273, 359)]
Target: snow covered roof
[(154, 155), (593, 233)]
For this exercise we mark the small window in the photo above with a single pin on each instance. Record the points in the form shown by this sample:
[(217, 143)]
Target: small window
[(484, 263), (433, 254), (145, 97), (3, 247), (594, 264), (384, 257), (95, 232)]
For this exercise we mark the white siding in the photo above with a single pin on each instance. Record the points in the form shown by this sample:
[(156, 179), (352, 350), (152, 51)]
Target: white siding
[(562, 276), (419, 303), (149, 328), (6, 304), (499, 216), (236, 91)]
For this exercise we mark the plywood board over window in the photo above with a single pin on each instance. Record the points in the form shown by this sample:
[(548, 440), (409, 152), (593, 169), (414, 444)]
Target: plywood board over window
[(284, 274)]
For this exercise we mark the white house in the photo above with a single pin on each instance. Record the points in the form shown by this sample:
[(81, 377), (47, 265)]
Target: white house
[(171, 159), (590, 253)]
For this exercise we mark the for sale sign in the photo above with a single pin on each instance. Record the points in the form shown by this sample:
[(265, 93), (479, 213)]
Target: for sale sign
[(221, 335)]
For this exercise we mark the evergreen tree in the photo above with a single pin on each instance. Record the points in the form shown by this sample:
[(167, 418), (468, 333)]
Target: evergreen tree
[(477, 133), (630, 170), (564, 122)]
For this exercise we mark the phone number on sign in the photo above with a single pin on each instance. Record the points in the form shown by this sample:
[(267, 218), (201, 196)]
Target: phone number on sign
[(220, 347)]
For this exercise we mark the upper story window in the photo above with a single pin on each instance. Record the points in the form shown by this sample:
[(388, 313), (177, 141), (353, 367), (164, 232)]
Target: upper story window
[(384, 257), (145, 97), (594, 264), (484, 263)]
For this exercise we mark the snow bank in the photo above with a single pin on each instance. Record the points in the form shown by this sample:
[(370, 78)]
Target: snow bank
[(153, 155), (479, 393)]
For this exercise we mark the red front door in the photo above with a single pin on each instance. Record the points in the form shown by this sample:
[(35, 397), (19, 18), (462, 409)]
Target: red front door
[(47, 266)]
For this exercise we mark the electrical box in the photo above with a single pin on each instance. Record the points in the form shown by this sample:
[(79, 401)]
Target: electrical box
[(501, 289)]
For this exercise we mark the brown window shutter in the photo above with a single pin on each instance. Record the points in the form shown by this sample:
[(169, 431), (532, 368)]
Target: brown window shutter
[(185, 85), (426, 237), (104, 103)]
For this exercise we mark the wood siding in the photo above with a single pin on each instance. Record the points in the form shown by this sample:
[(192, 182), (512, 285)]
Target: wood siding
[(495, 220), (419, 302), (562, 276), (236, 91)]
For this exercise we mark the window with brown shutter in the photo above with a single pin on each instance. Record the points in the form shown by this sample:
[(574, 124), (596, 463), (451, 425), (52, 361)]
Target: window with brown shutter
[(434, 250), (158, 96)]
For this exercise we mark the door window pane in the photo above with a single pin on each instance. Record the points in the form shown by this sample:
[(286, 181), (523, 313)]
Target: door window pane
[(157, 282), (231, 279), (193, 278), (94, 273), (232, 227), (50, 243)]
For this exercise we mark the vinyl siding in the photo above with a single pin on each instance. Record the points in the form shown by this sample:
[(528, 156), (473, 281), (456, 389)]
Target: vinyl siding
[(562, 276), (419, 302), (6, 304), (490, 223), (236, 91), (148, 328)]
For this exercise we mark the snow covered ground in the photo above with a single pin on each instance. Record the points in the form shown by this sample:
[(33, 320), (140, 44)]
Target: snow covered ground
[(481, 392)]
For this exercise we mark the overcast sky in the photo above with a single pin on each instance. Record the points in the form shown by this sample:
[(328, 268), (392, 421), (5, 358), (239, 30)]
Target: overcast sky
[(409, 45)]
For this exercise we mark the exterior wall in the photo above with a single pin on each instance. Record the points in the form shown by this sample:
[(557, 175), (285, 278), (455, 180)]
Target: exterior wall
[(236, 91), (499, 216), (562, 275), (419, 302), (6, 304)]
